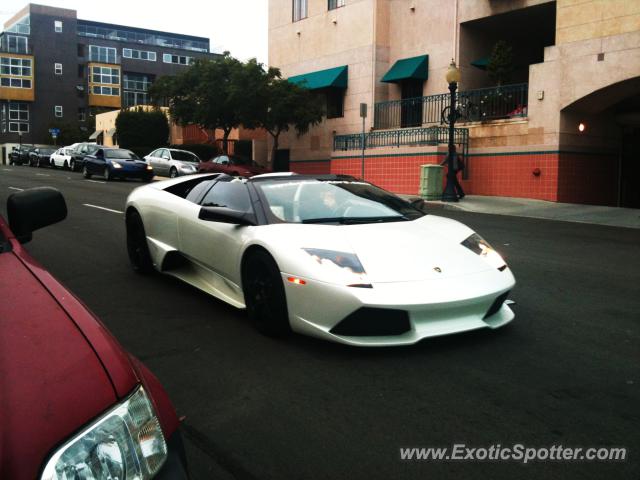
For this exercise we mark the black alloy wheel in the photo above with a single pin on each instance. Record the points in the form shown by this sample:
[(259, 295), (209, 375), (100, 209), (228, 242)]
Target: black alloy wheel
[(264, 295), (137, 247)]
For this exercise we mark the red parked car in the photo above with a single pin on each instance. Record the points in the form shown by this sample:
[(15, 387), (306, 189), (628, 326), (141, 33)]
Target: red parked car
[(74, 404), (235, 166)]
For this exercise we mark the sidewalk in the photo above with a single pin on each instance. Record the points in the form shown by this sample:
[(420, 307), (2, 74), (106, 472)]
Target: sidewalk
[(524, 207)]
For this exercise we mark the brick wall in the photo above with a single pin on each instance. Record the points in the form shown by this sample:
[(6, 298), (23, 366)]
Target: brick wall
[(563, 177)]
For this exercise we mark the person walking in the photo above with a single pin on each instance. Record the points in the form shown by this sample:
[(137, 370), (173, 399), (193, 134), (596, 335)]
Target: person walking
[(458, 166)]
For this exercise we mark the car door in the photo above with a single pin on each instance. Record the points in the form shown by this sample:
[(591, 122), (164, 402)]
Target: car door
[(165, 162), (216, 245), (95, 163)]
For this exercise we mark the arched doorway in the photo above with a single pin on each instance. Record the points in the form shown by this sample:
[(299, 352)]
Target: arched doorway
[(600, 147)]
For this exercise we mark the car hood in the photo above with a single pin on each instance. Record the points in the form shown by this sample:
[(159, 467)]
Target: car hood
[(136, 164), (418, 250), (52, 381)]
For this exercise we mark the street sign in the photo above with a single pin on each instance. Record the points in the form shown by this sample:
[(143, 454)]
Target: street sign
[(363, 110)]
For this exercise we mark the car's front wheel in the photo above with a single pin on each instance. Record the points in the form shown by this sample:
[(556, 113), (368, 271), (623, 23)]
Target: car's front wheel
[(137, 247), (85, 172), (107, 174), (65, 165), (173, 173), (264, 294), (72, 166)]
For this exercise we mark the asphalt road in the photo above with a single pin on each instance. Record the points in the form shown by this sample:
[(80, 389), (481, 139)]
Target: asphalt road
[(565, 372)]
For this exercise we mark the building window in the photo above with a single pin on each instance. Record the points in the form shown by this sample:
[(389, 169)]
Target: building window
[(57, 68), (333, 4), (16, 72), (134, 89), (17, 44), (102, 54), (18, 117), (110, 76), (82, 114), (335, 103), (139, 54), (22, 26), (179, 59), (57, 26), (58, 111), (100, 90), (299, 9)]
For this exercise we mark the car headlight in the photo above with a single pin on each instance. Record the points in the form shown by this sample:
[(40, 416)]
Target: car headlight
[(480, 246), (116, 165), (343, 267), (126, 443)]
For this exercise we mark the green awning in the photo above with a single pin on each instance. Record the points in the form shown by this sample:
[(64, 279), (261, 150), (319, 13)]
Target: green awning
[(414, 68), (481, 63), (331, 78)]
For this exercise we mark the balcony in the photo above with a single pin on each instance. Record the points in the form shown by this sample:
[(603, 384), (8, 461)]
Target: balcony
[(400, 138), (484, 104)]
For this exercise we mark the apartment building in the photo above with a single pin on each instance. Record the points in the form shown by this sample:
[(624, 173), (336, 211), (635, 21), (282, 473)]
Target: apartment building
[(56, 68), (564, 127)]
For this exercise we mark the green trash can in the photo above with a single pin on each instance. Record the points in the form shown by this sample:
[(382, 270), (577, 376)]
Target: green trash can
[(431, 182)]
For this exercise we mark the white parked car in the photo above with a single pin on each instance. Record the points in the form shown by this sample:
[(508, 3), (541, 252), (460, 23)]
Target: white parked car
[(61, 157), (328, 256), (171, 162)]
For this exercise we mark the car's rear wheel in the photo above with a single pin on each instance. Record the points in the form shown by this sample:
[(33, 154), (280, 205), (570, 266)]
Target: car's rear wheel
[(264, 294), (173, 173), (85, 172), (137, 247)]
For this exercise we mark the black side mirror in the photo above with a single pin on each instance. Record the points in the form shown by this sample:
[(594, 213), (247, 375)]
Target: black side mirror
[(226, 215), (33, 209)]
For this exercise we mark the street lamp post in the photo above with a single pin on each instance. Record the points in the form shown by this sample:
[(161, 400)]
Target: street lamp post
[(453, 77)]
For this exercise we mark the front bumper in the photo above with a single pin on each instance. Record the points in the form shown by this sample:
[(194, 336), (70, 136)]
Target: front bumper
[(175, 467), (433, 307), (126, 173)]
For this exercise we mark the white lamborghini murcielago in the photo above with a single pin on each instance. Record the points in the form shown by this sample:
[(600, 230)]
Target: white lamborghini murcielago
[(328, 256)]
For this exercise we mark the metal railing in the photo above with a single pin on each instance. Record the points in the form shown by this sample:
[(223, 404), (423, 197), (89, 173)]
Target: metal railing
[(399, 138), (493, 103)]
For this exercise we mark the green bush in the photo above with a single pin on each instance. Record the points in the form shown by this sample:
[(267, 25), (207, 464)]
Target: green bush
[(139, 127)]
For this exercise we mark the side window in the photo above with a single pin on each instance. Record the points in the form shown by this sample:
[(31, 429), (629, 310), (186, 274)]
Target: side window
[(165, 154), (223, 160), (154, 153), (233, 195), (198, 190)]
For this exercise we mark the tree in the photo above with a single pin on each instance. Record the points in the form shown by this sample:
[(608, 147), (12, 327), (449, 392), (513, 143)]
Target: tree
[(142, 128), (223, 93), (500, 66), (289, 105), (70, 132)]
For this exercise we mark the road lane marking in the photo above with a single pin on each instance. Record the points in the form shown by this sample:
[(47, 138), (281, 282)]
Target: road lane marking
[(7, 170), (95, 181), (102, 208), (17, 189), (42, 175)]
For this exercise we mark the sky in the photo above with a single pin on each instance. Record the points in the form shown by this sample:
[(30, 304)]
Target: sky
[(239, 26)]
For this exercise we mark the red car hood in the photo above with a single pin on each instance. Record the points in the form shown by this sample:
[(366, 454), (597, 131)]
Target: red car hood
[(59, 368)]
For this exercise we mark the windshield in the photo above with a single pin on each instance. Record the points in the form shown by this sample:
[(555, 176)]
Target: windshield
[(334, 201), (47, 151), (184, 156), (120, 154)]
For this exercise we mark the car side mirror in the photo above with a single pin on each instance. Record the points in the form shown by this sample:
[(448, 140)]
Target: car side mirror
[(227, 215), (33, 209)]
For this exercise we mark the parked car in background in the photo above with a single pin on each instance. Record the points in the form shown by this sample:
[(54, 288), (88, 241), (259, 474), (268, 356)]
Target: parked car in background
[(20, 155), (74, 404), (172, 162), (61, 157), (81, 150), (111, 163), (232, 165), (41, 156)]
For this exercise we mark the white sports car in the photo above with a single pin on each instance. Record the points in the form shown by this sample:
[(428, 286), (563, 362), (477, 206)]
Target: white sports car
[(328, 256)]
